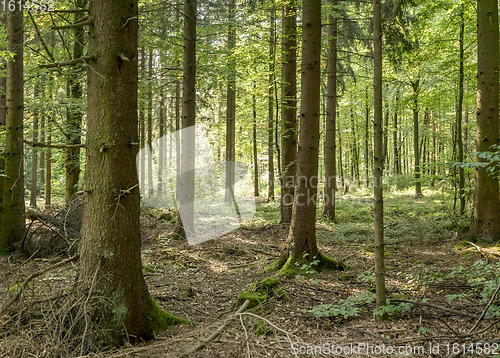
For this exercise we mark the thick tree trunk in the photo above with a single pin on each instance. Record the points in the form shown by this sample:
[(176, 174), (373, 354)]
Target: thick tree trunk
[(75, 115), (186, 207), (331, 118), (289, 110), (231, 106), (270, 149), (13, 225), (461, 180), (378, 154), (418, 185), (110, 247), (486, 221)]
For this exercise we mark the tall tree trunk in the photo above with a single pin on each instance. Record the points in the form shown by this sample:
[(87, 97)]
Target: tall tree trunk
[(186, 206), (270, 152), (466, 132), (3, 240), (289, 110), (418, 185), (486, 221), (341, 167), (254, 140), (331, 118), (367, 159), (378, 154), (150, 124), (397, 159), (355, 156), (111, 240), (177, 138), (461, 180), (433, 172), (34, 159), (142, 125), (75, 115), (161, 144), (13, 222), (385, 153), (231, 105)]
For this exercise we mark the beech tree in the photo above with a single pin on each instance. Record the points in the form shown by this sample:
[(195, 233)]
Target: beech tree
[(13, 222), (486, 220)]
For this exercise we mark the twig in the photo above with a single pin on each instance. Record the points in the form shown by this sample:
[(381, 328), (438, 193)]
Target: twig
[(479, 249), (450, 310), (217, 332), (34, 275), (486, 309), (72, 26)]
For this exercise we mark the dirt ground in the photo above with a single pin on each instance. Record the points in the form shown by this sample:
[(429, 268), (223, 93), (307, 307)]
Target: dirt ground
[(202, 282)]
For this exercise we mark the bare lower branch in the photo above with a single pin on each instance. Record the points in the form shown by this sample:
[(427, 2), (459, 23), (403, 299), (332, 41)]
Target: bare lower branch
[(72, 26), (73, 62), (56, 146)]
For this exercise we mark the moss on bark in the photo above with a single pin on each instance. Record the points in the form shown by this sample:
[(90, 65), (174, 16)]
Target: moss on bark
[(301, 266), (161, 321)]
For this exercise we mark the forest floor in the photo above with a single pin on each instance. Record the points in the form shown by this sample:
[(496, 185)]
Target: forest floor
[(429, 259)]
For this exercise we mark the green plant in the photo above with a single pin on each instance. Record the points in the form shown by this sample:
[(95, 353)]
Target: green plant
[(350, 307), (395, 310)]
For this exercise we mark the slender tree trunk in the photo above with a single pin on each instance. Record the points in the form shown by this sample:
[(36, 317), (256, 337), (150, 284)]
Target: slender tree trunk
[(150, 124), (110, 249), (3, 240), (34, 159), (177, 139), (186, 207), (13, 222), (385, 153), (142, 125), (289, 110), (161, 144), (270, 153), (340, 159), (231, 106), (466, 132), (255, 158), (461, 180), (418, 185), (378, 154), (397, 159), (486, 220), (75, 115), (367, 160), (433, 172)]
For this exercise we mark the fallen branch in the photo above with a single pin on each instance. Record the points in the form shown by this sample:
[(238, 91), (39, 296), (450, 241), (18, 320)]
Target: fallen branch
[(34, 275), (219, 330), (450, 310), (485, 310), (479, 249)]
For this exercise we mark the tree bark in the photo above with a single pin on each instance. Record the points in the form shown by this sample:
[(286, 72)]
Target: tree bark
[(418, 185), (186, 207), (110, 248), (270, 151), (231, 105), (3, 240), (367, 159), (13, 223), (161, 146), (378, 154), (255, 152), (142, 125), (75, 115), (150, 124), (34, 159), (486, 222), (397, 159), (289, 110), (461, 180)]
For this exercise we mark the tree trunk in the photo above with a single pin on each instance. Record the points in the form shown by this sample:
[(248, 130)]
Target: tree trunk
[(3, 240), (486, 220), (378, 154), (367, 159), (231, 106), (397, 159), (461, 180), (142, 125), (255, 158), (161, 144), (385, 153), (150, 124), (186, 206), (75, 115), (34, 159), (418, 185), (289, 110), (270, 152), (433, 172), (111, 240), (13, 223)]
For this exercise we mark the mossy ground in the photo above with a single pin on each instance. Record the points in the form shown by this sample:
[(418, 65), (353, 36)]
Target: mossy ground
[(161, 321), (298, 266)]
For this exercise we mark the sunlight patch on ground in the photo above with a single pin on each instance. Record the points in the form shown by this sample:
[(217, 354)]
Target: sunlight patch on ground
[(217, 266)]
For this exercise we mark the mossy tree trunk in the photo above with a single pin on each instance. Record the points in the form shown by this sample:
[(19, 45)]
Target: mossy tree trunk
[(289, 109), (486, 221), (75, 115), (3, 240), (110, 247), (13, 222)]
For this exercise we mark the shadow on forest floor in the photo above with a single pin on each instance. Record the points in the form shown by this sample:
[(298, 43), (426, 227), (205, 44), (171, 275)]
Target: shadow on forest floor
[(425, 246)]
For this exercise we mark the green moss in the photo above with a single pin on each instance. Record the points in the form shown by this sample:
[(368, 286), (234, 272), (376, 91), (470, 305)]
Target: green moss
[(276, 265), (147, 269), (346, 277), (260, 291), (469, 252), (255, 298), (161, 320), (388, 254), (461, 244)]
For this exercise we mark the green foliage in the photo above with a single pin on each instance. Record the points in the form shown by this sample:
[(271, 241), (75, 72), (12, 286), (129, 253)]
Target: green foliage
[(348, 308), (395, 310)]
